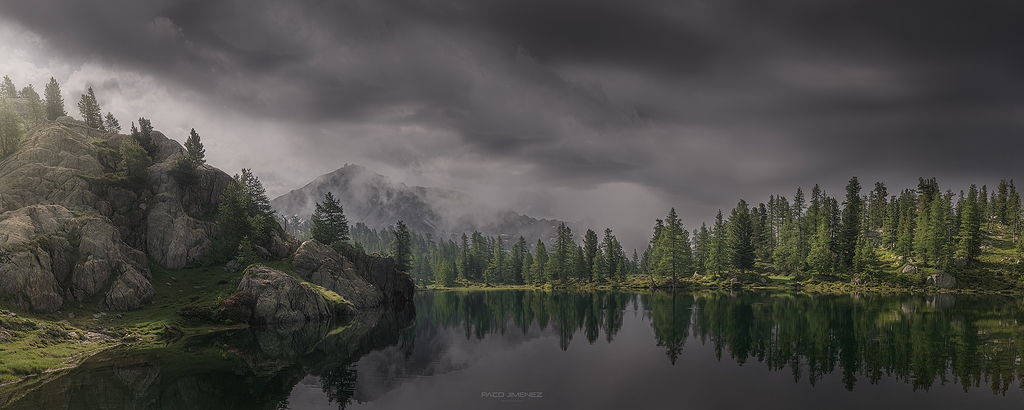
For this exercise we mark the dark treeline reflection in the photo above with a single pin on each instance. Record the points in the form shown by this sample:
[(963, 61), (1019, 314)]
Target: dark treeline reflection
[(973, 341)]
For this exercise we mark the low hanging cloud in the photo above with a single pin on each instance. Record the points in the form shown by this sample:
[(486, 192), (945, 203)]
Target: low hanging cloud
[(534, 104)]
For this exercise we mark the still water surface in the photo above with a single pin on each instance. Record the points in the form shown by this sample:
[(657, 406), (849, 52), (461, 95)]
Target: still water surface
[(587, 350)]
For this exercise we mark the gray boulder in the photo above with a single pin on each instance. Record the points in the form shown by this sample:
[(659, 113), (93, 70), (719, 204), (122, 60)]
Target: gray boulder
[(321, 265), (941, 280), (960, 261), (909, 269), (279, 298)]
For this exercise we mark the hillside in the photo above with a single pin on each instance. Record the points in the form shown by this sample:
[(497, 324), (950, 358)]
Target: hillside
[(73, 227), (378, 202)]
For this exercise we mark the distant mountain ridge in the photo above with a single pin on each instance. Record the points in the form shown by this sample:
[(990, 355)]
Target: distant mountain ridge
[(378, 202)]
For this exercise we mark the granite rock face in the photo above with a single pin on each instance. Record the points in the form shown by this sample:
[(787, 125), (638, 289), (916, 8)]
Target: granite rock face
[(279, 298), (67, 232), (320, 264)]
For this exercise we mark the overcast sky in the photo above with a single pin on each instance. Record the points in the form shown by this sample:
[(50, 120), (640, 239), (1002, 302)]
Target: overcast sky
[(614, 110)]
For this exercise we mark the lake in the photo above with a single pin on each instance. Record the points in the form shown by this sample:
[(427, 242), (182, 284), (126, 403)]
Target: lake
[(520, 349)]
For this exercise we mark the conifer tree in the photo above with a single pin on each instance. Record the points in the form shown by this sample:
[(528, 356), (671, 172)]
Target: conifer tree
[(672, 253), (1000, 202), (610, 247), (786, 256), (194, 150), (718, 255), (36, 109), (520, 251), (400, 247), (540, 262), (851, 223), (820, 256), (600, 267), (905, 240), (938, 249), (11, 130), (54, 101), (740, 237), (560, 261), (580, 270), (589, 253), (464, 259), (328, 224), (90, 110), (968, 241), (702, 248), (110, 124), (7, 89)]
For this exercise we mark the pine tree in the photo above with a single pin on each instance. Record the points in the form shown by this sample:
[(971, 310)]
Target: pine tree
[(1000, 202), (786, 256), (400, 247), (740, 237), (702, 248), (718, 255), (580, 270), (328, 224), (36, 109), (905, 239), (609, 245), (540, 262), (54, 101), (589, 253), (820, 256), (519, 253), (464, 259), (600, 266), (11, 130), (851, 223), (110, 124), (194, 150), (672, 253), (7, 89), (968, 241), (90, 110), (938, 249), (878, 205), (559, 263)]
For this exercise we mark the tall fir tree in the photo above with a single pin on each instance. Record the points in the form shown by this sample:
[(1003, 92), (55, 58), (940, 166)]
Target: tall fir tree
[(7, 88), (89, 108), (590, 246), (328, 224), (850, 225), (741, 237), (540, 262), (54, 100), (401, 249)]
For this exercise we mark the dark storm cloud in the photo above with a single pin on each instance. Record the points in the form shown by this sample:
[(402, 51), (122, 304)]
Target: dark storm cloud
[(704, 100)]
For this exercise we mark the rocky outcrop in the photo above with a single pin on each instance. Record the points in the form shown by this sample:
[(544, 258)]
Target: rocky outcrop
[(909, 270), (321, 265), (50, 255), (941, 280), (279, 298), (68, 230), (382, 273)]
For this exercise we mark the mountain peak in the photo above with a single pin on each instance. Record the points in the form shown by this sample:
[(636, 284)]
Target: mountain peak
[(378, 201)]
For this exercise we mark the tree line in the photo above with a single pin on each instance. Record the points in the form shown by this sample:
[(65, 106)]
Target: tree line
[(817, 235)]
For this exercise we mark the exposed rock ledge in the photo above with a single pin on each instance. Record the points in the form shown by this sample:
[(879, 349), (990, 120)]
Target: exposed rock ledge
[(349, 283)]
